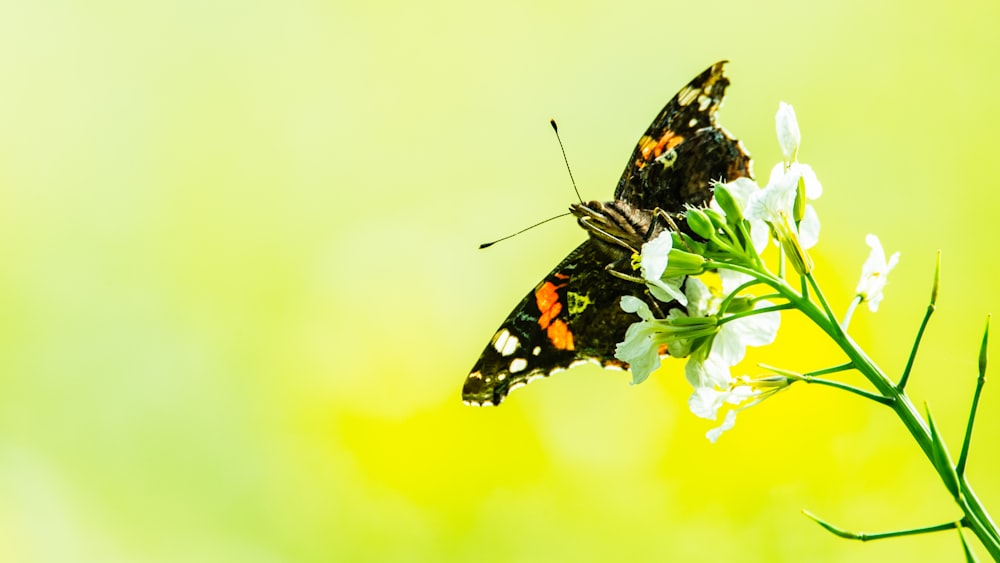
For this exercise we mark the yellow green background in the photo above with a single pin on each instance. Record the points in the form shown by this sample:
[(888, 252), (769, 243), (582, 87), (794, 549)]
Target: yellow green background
[(240, 289)]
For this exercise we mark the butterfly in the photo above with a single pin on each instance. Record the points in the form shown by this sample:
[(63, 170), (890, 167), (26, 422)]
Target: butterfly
[(573, 316)]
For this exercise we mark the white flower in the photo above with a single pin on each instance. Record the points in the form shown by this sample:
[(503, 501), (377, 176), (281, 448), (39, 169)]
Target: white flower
[(875, 273), (708, 373), (706, 401), (775, 204), (708, 370), (653, 263), (730, 344), (645, 340), (787, 127), (814, 189), (701, 302), (639, 349)]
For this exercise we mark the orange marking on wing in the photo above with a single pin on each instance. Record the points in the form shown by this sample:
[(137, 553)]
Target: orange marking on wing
[(547, 299), (560, 335), (651, 148)]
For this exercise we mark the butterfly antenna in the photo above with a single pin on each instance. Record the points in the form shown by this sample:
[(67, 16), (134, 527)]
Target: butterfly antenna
[(489, 244), (566, 160)]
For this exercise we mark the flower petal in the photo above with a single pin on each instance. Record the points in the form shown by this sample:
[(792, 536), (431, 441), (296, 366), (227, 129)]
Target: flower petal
[(809, 228), (787, 127), (727, 424), (654, 256)]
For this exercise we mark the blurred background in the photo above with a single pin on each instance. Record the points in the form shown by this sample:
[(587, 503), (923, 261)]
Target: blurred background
[(240, 288)]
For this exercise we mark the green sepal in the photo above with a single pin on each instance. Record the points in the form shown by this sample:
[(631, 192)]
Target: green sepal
[(683, 240), (680, 263)]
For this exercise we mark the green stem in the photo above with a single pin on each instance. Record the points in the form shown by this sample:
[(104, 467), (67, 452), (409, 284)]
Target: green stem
[(752, 312), (733, 294), (976, 516)]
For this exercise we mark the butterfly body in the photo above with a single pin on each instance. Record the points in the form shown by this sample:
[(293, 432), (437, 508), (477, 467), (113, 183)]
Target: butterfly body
[(573, 315)]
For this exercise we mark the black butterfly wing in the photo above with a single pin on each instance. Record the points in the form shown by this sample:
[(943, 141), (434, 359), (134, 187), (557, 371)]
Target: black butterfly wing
[(573, 316), (684, 150)]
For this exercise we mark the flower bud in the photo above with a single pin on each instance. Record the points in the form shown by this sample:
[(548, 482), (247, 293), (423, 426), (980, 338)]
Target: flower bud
[(699, 223), (740, 304), (787, 127), (801, 261), (728, 203), (771, 382), (799, 209), (789, 239), (718, 220)]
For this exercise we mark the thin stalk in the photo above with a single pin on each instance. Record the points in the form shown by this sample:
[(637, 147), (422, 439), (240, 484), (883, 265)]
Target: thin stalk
[(834, 369), (809, 378), (923, 324), (913, 351), (849, 388), (862, 536), (752, 312), (960, 467), (850, 313)]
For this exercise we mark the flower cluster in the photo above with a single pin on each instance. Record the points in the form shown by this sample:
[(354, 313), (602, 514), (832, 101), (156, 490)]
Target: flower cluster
[(704, 280)]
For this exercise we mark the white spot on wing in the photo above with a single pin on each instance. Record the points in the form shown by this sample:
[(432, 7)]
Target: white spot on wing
[(518, 364), (704, 101), (686, 96), (505, 342), (510, 346), (537, 350)]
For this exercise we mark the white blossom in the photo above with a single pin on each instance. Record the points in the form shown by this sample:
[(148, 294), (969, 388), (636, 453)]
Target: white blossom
[(875, 273), (653, 262)]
